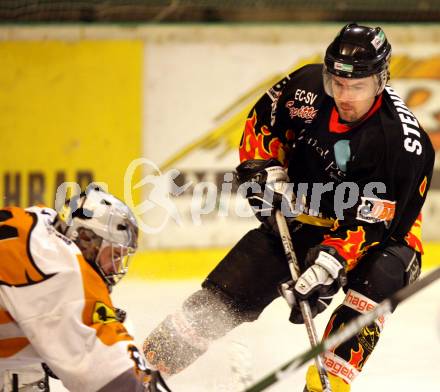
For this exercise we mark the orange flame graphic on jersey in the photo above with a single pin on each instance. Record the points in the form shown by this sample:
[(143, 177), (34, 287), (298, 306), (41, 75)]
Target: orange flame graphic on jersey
[(414, 236), (352, 247), (422, 187), (356, 357), (260, 144)]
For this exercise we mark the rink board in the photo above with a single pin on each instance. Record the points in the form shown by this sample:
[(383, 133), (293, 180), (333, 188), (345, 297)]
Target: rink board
[(84, 102), (197, 263)]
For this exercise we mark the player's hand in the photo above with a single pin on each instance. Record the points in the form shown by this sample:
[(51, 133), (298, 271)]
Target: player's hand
[(320, 282), (325, 275), (317, 304), (267, 189)]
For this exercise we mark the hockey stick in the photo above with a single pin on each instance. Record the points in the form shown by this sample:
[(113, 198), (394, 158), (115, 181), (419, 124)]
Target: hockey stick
[(304, 305), (349, 330)]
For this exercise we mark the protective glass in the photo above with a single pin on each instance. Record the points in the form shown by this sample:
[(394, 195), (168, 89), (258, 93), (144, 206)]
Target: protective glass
[(353, 89)]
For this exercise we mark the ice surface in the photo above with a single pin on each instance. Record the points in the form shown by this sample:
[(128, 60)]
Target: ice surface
[(406, 358)]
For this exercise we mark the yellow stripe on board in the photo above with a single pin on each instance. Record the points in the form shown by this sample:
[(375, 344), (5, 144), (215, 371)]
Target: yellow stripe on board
[(175, 264), (431, 258), (197, 263)]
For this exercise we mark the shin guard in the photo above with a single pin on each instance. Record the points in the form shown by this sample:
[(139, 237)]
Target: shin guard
[(347, 360)]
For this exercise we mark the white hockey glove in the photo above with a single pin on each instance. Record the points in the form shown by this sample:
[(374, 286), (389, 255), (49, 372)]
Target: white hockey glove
[(320, 282), (265, 184)]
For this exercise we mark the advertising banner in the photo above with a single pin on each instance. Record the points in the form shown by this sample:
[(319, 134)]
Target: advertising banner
[(70, 111), (83, 104)]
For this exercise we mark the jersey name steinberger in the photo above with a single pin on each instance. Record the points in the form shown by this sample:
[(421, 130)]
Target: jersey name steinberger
[(410, 124)]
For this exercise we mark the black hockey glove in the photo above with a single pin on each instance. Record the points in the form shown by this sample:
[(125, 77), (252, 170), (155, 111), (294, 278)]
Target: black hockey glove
[(265, 184), (286, 290), (320, 282)]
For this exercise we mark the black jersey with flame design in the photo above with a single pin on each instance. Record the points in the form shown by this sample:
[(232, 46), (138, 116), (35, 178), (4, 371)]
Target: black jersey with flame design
[(386, 156)]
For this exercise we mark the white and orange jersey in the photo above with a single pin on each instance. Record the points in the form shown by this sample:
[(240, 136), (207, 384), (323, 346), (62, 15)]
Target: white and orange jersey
[(54, 307)]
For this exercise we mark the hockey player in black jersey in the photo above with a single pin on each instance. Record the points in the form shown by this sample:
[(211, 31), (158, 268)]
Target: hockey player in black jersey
[(339, 152)]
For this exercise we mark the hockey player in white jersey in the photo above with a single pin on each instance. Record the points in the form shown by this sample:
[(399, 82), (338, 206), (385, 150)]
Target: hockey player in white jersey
[(56, 274)]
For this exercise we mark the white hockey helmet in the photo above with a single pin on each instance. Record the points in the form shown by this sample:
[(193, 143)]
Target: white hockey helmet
[(105, 230)]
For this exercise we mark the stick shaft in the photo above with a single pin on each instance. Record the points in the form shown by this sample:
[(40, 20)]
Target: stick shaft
[(304, 305)]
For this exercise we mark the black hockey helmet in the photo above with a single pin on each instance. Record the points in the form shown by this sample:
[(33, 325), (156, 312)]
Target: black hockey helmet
[(358, 52)]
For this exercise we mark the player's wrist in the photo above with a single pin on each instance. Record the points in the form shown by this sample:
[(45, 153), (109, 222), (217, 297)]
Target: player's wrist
[(332, 265)]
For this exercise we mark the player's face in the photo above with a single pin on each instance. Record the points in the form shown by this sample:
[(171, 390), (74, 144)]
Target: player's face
[(353, 97), (110, 259)]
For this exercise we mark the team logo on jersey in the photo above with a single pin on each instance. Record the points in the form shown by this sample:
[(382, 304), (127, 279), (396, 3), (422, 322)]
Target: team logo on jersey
[(374, 210), (308, 113), (103, 314)]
